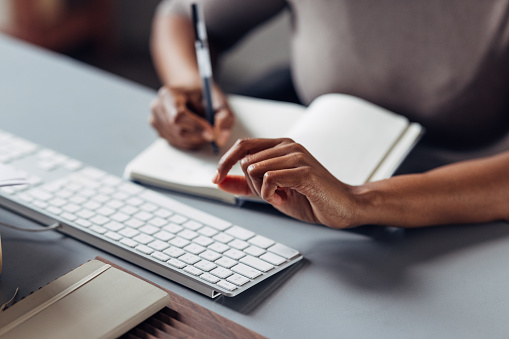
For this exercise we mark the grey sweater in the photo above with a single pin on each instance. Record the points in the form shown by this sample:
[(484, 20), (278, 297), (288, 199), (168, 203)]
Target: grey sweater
[(443, 63)]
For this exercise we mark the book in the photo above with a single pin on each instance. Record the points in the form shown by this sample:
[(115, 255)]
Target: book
[(355, 140), (95, 300)]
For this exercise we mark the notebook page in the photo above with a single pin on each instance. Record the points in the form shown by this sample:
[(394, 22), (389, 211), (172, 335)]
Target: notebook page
[(349, 136)]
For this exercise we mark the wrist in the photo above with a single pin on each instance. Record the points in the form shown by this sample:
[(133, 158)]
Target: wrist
[(368, 205)]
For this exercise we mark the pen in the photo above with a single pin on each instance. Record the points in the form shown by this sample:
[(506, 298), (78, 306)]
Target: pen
[(204, 64)]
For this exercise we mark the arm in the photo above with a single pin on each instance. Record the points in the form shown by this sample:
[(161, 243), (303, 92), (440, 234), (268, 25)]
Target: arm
[(177, 113), (287, 176)]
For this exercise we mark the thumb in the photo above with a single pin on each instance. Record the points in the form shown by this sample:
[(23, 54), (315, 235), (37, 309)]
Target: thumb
[(223, 124)]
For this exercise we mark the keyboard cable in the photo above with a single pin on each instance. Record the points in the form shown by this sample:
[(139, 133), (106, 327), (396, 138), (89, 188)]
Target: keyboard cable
[(24, 229)]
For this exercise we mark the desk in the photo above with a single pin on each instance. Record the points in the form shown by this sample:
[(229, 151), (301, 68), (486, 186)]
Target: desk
[(371, 282)]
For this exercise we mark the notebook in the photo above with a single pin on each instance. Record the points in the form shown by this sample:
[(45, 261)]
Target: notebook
[(95, 300), (355, 140)]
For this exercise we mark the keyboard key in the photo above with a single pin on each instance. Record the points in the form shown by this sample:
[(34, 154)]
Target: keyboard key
[(207, 231), (54, 210), (85, 214), (246, 271), (58, 202), (178, 219), (226, 262), (99, 220), (163, 236), (160, 256), (113, 235), (148, 207), (129, 242), (147, 229), (218, 247), (83, 223), (114, 226), (162, 213), (221, 272), (158, 222), (144, 216), (106, 211), (68, 216), (129, 232), (158, 245), (179, 242), (189, 258), (203, 241), (177, 263), (194, 248), (284, 251), (209, 277), (120, 217), (193, 270), (128, 209), (143, 238), (116, 204), (134, 223), (234, 254), (239, 232), (210, 255), (174, 252), (238, 279), (254, 251), (98, 229), (192, 225), (222, 237), (272, 258), (261, 241), (173, 228), (256, 263), (188, 234), (205, 265), (226, 285), (238, 244), (144, 249)]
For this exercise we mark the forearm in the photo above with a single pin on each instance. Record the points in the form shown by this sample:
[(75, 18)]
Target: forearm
[(172, 48), (466, 192)]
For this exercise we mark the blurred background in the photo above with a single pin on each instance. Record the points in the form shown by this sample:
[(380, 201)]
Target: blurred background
[(114, 35)]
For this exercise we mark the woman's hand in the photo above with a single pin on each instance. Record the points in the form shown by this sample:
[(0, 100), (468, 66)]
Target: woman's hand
[(178, 116), (287, 176)]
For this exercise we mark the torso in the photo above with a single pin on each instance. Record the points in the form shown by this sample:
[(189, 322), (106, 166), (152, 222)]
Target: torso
[(443, 63)]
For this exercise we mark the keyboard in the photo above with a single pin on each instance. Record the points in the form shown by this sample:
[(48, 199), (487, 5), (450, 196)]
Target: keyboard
[(184, 244)]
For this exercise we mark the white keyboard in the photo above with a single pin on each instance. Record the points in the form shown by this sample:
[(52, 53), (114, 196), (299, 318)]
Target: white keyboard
[(179, 242)]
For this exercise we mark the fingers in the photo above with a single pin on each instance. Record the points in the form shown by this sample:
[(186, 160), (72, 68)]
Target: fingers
[(276, 183), (256, 170), (241, 149), (175, 122)]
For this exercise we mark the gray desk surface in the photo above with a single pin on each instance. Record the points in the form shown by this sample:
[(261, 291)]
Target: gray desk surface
[(371, 282)]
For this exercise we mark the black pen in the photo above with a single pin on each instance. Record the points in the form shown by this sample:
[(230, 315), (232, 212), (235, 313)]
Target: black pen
[(204, 65)]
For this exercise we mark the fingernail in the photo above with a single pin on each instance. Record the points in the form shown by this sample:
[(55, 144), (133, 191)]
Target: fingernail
[(215, 178)]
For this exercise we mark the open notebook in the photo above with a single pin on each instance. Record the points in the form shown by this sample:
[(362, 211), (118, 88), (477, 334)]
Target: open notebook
[(354, 139)]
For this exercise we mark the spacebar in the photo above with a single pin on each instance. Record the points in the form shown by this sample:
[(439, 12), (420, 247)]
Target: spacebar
[(189, 211)]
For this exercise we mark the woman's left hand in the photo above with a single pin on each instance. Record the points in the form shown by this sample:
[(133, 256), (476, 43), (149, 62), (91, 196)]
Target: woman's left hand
[(286, 175)]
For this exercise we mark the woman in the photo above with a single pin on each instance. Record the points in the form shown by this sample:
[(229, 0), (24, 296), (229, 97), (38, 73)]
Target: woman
[(442, 63)]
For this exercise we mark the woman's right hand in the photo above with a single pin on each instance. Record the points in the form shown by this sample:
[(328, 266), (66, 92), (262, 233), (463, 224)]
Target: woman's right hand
[(178, 116)]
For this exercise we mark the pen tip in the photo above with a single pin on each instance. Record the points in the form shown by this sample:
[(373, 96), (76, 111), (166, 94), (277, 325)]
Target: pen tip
[(215, 149)]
